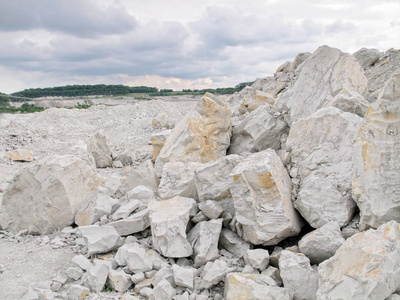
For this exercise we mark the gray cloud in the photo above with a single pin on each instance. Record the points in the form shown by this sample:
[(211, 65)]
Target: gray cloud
[(76, 17)]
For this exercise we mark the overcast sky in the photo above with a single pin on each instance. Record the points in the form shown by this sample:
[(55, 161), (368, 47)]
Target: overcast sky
[(178, 43)]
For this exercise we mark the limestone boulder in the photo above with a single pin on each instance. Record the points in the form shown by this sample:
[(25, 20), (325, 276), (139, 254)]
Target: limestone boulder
[(212, 179), (100, 239), (20, 155), (96, 205), (98, 146), (377, 159), (178, 180), (134, 223), (364, 267), (144, 174), (351, 102), (204, 241), (253, 286), (321, 151), (202, 136), (169, 219), (47, 195), (261, 192), (321, 77), (298, 276), (256, 100), (158, 140), (261, 129), (322, 243), (135, 257), (367, 57), (299, 59)]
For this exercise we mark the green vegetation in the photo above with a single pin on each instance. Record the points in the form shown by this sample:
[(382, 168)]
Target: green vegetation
[(25, 108)]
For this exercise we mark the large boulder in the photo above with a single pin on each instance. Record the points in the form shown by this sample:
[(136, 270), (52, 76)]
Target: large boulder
[(178, 180), (367, 57), (261, 192), (321, 147), (365, 267), (377, 159), (261, 129), (46, 196), (169, 219), (213, 180), (319, 79), (98, 146), (253, 286), (202, 136), (298, 276)]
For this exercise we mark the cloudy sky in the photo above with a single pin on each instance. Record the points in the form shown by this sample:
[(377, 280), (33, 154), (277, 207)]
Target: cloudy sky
[(178, 43)]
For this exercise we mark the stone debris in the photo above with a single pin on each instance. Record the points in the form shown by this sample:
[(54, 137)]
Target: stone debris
[(168, 219), (20, 155), (318, 138), (322, 243), (261, 192), (98, 146)]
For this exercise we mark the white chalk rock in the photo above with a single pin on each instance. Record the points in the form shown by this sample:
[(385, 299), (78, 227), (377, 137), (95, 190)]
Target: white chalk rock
[(231, 242), (253, 286), (119, 280), (77, 292), (97, 277), (364, 267), (100, 239), (377, 159), (213, 180), (125, 209), (299, 59), (163, 291), (321, 77), (298, 276), (367, 57), (183, 276), (81, 262), (321, 148), (178, 180), (136, 222), (141, 193), (213, 273), (99, 148), (253, 101), (96, 205), (135, 257), (351, 102), (144, 174), (202, 136), (204, 240), (261, 192), (168, 219), (260, 130), (257, 258), (158, 140), (55, 188), (211, 209), (20, 155), (322, 243), (163, 120)]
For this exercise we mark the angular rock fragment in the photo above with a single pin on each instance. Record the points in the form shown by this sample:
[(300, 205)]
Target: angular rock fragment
[(183, 276), (96, 205), (319, 79), (204, 240), (97, 277), (261, 129), (163, 291), (158, 141), (377, 159), (213, 273), (351, 102), (252, 286), (135, 257), (46, 196), (125, 209), (178, 180), (364, 267), (321, 148), (168, 219), (119, 280), (257, 258), (100, 239), (251, 103), (144, 174), (261, 192), (230, 241), (321, 243), (298, 276), (211, 209), (202, 136), (21, 155), (213, 180), (99, 148), (299, 59), (136, 222), (367, 57)]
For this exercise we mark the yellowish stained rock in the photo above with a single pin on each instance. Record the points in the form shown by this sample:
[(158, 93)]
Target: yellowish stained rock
[(21, 155)]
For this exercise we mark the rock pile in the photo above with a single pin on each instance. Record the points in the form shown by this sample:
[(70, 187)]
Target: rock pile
[(288, 189)]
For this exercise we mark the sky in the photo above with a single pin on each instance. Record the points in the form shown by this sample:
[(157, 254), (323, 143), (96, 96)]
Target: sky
[(178, 44)]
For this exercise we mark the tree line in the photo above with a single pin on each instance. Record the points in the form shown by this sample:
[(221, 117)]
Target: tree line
[(117, 90)]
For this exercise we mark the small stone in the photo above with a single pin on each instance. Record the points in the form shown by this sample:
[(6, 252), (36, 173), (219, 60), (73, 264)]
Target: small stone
[(211, 209), (74, 273), (82, 262), (163, 291), (77, 292), (97, 277), (21, 155), (257, 258), (213, 273), (119, 280), (100, 239), (138, 277), (183, 276)]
